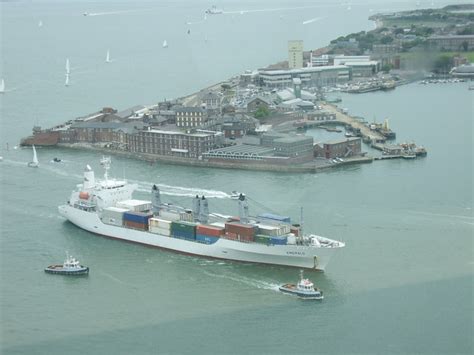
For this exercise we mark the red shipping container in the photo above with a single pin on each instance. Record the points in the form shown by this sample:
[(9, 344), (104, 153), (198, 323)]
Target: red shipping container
[(209, 230), (244, 238), (84, 195), (239, 228), (232, 236), (135, 225)]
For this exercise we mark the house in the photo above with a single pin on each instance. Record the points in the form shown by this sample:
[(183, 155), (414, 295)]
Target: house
[(254, 104)]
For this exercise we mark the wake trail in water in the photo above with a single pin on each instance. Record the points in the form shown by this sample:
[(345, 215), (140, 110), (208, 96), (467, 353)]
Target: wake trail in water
[(113, 12), (169, 190), (246, 281), (442, 215), (272, 9), (307, 22)]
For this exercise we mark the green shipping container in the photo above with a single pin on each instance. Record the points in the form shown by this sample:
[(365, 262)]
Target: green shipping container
[(262, 239), (183, 226)]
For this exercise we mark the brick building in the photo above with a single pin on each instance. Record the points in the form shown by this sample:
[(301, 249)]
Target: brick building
[(190, 116), (172, 143)]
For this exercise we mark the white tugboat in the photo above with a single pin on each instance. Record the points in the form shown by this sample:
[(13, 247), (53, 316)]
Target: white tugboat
[(71, 266), (304, 289)]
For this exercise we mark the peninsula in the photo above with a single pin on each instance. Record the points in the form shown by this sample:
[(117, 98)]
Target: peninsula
[(257, 120)]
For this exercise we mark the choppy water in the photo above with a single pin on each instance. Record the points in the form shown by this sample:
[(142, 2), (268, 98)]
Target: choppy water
[(404, 282)]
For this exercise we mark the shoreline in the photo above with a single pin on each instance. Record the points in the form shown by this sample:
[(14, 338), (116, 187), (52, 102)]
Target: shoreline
[(152, 158)]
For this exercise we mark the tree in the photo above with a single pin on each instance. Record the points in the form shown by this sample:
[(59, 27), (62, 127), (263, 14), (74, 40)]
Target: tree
[(386, 68), (225, 87), (261, 112), (443, 64), (386, 40)]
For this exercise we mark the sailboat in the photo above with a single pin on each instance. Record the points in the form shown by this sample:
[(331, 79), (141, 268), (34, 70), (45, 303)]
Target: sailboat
[(165, 44), (66, 83), (2, 87), (40, 23), (68, 71), (34, 163), (107, 57)]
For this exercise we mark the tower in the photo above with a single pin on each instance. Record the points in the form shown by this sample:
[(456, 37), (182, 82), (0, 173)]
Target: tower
[(295, 54)]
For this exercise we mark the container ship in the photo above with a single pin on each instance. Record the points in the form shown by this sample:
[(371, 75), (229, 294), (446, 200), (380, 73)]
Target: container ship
[(106, 207)]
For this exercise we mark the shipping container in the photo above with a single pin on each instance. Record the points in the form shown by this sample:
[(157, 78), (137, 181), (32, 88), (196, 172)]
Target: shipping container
[(278, 240), (207, 239), (182, 234), (230, 235), (262, 239), (246, 238), (170, 215), (279, 229), (241, 229), (209, 230), (157, 230), (275, 217), (295, 230), (159, 223), (138, 217), (135, 205), (135, 225), (291, 239)]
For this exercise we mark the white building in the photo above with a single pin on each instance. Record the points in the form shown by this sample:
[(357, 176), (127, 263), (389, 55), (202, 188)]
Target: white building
[(310, 76)]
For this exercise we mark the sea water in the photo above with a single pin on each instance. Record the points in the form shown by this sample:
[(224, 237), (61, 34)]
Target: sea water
[(402, 284)]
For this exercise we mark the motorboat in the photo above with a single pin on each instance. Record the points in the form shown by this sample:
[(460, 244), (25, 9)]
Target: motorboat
[(71, 266), (235, 195), (304, 289), (56, 160)]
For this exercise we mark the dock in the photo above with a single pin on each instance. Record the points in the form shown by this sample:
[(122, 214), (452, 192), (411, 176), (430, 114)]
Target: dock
[(344, 118)]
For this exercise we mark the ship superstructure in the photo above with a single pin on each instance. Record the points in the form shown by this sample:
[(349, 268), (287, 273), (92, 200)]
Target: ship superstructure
[(106, 207)]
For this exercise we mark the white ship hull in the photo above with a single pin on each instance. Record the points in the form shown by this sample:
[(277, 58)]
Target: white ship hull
[(287, 255)]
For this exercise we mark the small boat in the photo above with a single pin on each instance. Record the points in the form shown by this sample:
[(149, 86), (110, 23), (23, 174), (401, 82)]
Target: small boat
[(304, 289), (2, 86), (68, 67), (107, 57), (66, 83), (235, 195), (1, 158), (165, 44), (71, 266), (214, 11), (40, 23), (56, 160), (34, 163)]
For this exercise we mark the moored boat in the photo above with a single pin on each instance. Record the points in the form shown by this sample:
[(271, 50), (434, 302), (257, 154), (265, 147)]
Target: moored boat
[(71, 266), (304, 289)]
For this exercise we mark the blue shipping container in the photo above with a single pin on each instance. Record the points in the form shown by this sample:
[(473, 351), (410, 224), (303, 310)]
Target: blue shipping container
[(278, 240), (275, 217), (207, 239), (184, 235), (137, 217)]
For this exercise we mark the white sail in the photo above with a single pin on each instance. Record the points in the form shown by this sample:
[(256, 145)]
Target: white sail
[(66, 83), (165, 44), (107, 57), (40, 23), (68, 67), (34, 163), (2, 86)]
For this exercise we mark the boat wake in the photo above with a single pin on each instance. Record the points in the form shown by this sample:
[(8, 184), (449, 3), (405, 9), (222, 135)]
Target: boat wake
[(265, 285), (180, 191), (307, 22)]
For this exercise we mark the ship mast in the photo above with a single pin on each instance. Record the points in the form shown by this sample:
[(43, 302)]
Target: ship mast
[(105, 162)]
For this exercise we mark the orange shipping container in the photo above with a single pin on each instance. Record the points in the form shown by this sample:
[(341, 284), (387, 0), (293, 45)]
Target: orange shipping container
[(209, 230), (83, 195)]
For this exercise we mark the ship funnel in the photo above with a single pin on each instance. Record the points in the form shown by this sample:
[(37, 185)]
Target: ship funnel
[(204, 216), (155, 199), (89, 178), (196, 208), (243, 209)]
